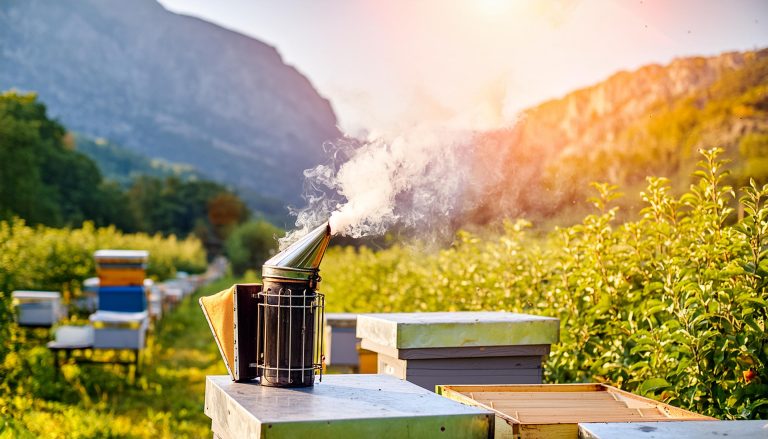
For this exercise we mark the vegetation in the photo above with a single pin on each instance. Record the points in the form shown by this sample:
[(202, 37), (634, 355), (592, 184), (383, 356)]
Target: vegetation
[(673, 305), (250, 244), (87, 401), (730, 112), (122, 165), (60, 259), (45, 180)]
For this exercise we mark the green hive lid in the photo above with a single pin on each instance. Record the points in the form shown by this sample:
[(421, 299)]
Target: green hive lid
[(302, 258)]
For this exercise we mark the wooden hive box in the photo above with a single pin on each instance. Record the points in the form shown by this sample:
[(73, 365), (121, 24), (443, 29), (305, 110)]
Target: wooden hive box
[(555, 410), (431, 348)]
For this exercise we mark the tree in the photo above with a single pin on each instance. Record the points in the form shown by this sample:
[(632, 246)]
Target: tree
[(251, 244)]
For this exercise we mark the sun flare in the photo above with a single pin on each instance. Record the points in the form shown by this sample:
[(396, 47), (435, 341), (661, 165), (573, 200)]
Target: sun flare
[(492, 8)]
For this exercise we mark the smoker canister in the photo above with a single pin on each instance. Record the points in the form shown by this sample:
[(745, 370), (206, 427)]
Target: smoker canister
[(291, 313)]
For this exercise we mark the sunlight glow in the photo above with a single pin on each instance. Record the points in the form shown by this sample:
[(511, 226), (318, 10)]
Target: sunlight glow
[(492, 8)]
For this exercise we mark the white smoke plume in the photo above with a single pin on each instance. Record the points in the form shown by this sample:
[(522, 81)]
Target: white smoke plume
[(415, 182)]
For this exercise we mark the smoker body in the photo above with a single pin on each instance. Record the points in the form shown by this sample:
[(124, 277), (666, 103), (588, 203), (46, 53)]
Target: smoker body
[(291, 313), (290, 318)]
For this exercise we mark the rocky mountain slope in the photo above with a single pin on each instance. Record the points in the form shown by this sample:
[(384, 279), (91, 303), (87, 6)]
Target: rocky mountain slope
[(634, 124), (169, 86)]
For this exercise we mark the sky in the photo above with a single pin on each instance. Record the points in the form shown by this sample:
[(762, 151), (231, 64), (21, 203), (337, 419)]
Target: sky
[(389, 65)]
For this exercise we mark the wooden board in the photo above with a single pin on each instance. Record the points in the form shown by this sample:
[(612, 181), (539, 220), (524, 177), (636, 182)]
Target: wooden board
[(458, 352), (555, 410), (484, 370)]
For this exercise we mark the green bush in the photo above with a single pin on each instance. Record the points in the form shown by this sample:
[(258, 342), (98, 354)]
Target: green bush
[(251, 244), (672, 306)]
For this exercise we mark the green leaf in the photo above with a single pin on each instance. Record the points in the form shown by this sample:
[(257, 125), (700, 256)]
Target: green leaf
[(652, 385)]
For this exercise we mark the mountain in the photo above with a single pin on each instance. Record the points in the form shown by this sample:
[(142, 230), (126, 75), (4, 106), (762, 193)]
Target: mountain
[(123, 165), (649, 122), (169, 86)]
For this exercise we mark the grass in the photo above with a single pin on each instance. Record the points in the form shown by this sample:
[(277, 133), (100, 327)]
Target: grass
[(166, 401)]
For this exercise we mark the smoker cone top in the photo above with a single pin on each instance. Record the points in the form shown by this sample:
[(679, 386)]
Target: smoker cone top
[(301, 260)]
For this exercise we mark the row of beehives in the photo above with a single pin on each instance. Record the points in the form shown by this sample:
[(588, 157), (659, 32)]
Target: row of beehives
[(122, 302), (493, 361)]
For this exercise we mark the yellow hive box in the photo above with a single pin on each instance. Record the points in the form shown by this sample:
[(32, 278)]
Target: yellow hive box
[(554, 410), (114, 277)]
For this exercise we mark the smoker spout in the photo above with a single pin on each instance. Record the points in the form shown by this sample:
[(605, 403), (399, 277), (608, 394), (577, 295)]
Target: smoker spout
[(301, 260)]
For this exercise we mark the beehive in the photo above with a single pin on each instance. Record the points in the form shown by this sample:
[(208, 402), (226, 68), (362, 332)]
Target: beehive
[(121, 267), (555, 410)]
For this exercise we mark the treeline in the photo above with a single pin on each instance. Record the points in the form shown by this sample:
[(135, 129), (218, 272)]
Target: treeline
[(45, 180)]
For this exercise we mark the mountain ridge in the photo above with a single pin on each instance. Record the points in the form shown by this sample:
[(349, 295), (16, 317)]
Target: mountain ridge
[(176, 87), (649, 121)]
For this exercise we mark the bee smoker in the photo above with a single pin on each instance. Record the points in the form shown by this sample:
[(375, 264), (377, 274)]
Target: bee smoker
[(274, 331), (289, 338)]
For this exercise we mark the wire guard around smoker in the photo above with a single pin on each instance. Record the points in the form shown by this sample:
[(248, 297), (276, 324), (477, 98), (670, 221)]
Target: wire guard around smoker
[(309, 304)]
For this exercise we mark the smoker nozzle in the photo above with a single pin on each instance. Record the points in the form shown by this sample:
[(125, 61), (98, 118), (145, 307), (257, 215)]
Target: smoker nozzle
[(301, 260)]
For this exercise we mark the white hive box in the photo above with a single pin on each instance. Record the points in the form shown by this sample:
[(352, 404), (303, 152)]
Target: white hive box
[(119, 330), (340, 339), (37, 308), (155, 303)]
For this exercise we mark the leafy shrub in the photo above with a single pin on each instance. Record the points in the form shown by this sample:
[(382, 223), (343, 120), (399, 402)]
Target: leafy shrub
[(673, 305), (251, 244), (60, 259)]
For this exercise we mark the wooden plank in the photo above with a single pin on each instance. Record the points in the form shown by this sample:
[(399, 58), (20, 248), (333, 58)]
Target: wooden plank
[(544, 396), (391, 366), (474, 352), (554, 403), (458, 352), (499, 363), (549, 431), (431, 382), (460, 376), (538, 388), (632, 400)]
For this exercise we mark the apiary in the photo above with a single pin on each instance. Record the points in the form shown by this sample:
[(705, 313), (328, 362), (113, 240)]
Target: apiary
[(556, 410)]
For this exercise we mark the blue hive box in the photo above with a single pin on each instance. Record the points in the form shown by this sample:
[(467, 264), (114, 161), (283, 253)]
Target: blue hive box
[(122, 299)]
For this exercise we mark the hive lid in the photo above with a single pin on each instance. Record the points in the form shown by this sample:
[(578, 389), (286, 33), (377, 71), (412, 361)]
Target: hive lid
[(48, 295), (132, 255), (456, 329), (301, 259)]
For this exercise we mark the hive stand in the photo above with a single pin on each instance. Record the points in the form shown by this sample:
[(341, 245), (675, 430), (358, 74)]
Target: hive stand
[(459, 347)]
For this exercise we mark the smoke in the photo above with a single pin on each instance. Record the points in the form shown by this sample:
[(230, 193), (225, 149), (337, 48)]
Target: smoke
[(415, 181)]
